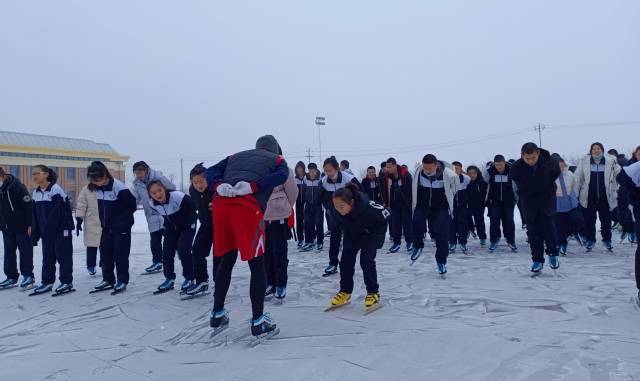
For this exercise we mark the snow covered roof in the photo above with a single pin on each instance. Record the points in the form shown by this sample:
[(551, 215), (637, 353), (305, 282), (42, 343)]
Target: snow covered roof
[(54, 142)]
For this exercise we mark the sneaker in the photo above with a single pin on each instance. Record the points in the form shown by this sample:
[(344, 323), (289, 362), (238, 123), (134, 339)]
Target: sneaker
[(536, 267), (103, 285), (562, 249), (493, 246), (91, 270), (483, 242), (319, 246), (394, 248), (9, 282), (218, 319), (417, 252), (442, 268), (371, 299), (27, 282), (269, 291), (120, 286), (166, 285), (154, 268), (409, 247), (554, 262), (331, 269), (281, 292), (263, 324), (64, 287), (187, 284)]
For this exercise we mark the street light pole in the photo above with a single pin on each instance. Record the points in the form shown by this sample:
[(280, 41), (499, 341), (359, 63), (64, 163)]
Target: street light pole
[(320, 121)]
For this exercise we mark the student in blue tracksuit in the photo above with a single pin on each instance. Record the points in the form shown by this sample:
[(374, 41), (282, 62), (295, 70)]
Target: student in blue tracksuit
[(313, 212), (371, 186), (116, 205), (300, 173), (334, 180), (460, 225), (53, 223), (202, 195), (180, 217), (477, 193)]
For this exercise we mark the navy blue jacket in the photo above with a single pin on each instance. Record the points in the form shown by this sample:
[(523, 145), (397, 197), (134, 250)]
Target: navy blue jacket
[(51, 213), (312, 193), (178, 210), (116, 205), (16, 207), (203, 204)]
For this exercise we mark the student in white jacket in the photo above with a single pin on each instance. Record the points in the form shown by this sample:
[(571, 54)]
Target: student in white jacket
[(87, 213), (597, 192), (568, 216)]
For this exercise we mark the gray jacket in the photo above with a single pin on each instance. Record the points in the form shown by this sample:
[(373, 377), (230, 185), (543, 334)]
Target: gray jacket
[(139, 190)]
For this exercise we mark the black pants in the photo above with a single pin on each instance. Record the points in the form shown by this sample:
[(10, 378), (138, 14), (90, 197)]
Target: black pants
[(541, 231), (636, 217), (401, 222), (601, 208), (459, 228), (181, 241), (501, 213), (568, 223), (275, 255), (300, 222), (476, 221), (156, 245), (257, 285), (313, 224), (439, 224), (22, 242), (334, 240), (201, 249), (92, 257), (114, 252), (58, 248), (367, 263)]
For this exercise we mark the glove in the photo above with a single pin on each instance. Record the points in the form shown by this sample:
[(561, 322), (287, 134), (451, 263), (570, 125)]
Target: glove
[(78, 226), (225, 190), (242, 188)]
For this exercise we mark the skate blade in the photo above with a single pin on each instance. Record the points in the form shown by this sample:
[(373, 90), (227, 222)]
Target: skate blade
[(101, 290), (151, 272), (116, 292), (278, 301), (536, 274), (29, 287), (257, 340), (194, 296), (332, 307), (442, 276), (328, 274), (373, 308), (158, 292), (218, 331), (62, 293), (9, 287), (39, 293)]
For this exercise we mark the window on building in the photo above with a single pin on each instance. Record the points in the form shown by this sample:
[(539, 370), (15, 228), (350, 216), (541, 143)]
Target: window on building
[(14, 170), (71, 174)]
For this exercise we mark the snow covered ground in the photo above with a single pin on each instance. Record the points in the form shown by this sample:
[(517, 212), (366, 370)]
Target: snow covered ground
[(489, 320)]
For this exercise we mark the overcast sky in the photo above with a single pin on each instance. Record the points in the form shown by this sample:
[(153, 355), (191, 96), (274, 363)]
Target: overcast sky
[(160, 80)]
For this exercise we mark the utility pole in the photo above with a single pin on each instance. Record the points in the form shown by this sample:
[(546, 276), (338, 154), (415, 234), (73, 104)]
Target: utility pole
[(539, 128), (308, 156), (181, 175)]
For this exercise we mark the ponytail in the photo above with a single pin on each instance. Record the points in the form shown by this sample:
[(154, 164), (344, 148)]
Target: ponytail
[(52, 177), (347, 194)]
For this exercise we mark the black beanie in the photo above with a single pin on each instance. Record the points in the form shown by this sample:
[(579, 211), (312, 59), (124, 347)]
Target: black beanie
[(140, 165)]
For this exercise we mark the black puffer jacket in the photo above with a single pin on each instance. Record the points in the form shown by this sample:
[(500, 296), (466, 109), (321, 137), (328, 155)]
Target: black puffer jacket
[(366, 226), (16, 206)]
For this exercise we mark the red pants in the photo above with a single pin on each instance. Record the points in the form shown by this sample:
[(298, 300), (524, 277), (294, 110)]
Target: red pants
[(239, 225)]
